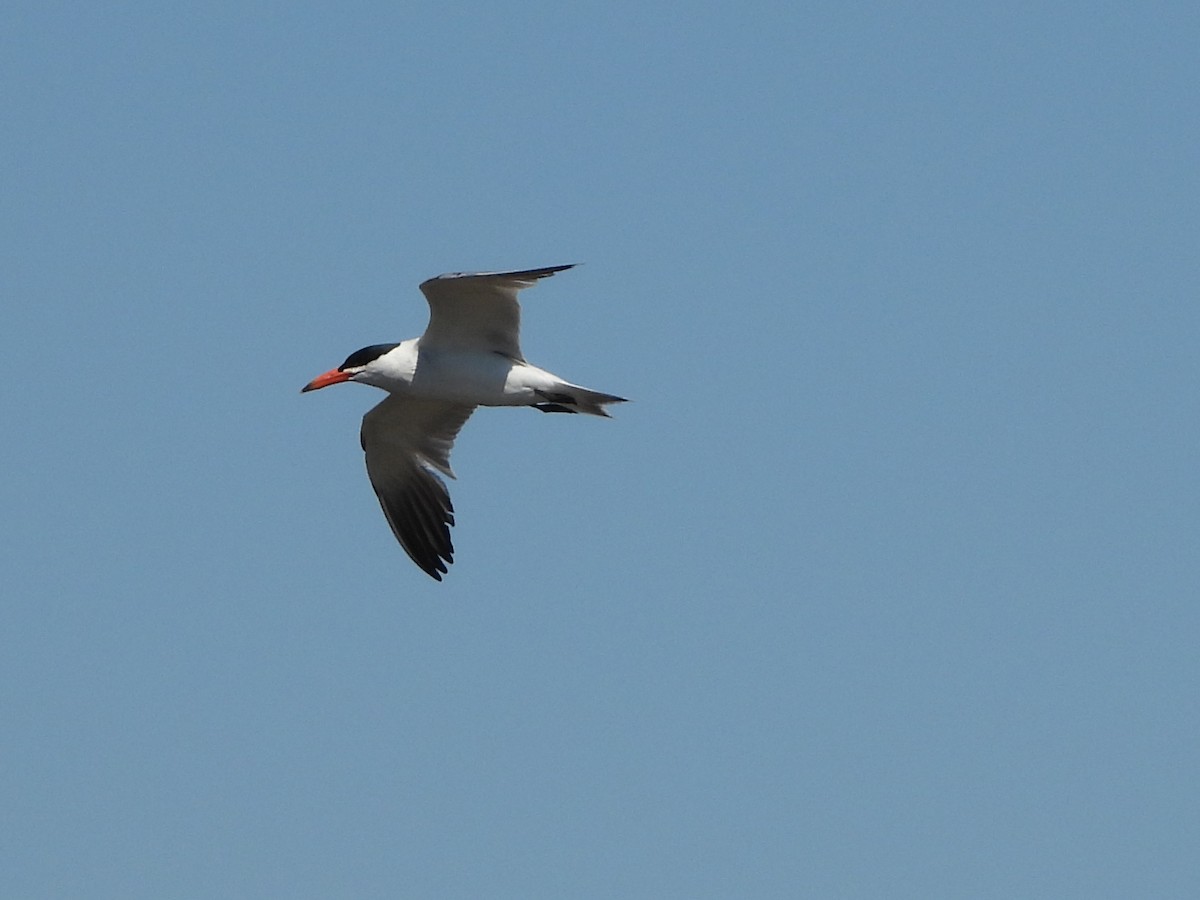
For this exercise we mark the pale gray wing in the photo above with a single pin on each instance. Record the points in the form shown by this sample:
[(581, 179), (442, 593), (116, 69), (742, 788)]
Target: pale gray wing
[(405, 440), (478, 310)]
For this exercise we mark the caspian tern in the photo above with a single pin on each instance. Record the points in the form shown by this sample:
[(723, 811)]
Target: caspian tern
[(470, 355)]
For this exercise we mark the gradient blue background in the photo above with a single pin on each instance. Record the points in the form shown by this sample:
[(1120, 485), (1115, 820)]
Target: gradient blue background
[(885, 585)]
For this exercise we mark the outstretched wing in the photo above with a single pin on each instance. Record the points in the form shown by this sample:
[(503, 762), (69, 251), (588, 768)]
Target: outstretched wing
[(405, 439), (478, 311)]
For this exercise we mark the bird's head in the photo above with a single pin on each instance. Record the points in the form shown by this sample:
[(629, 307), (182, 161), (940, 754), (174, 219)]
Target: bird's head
[(357, 367)]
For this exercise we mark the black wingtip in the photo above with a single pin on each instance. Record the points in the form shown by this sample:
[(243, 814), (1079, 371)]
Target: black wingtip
[(543, 272), (525, 274)]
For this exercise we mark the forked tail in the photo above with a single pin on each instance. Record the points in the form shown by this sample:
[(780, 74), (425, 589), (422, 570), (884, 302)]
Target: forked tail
[(571, 398)]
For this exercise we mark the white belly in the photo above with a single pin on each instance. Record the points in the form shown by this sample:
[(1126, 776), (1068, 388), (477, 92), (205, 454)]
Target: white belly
[(478, 379)]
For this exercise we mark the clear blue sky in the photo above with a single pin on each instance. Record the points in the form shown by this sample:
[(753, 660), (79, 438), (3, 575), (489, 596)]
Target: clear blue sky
[(885, 585)]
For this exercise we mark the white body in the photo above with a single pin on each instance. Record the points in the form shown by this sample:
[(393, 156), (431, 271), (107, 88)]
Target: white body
[(474, 377)]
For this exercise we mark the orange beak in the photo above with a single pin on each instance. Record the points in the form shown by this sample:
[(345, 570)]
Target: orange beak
[(333, 376)]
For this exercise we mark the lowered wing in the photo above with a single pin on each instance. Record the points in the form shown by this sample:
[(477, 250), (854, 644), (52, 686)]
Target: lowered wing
[(405, 440)]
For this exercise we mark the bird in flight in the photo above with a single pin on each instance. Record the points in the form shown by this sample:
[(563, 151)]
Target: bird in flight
[(469, 356)]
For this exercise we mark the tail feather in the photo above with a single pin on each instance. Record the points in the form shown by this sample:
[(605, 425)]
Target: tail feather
[(571, 398)]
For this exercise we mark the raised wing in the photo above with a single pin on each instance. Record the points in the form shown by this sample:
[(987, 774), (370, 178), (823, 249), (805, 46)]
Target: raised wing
[(405, 439), (479, 311)]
